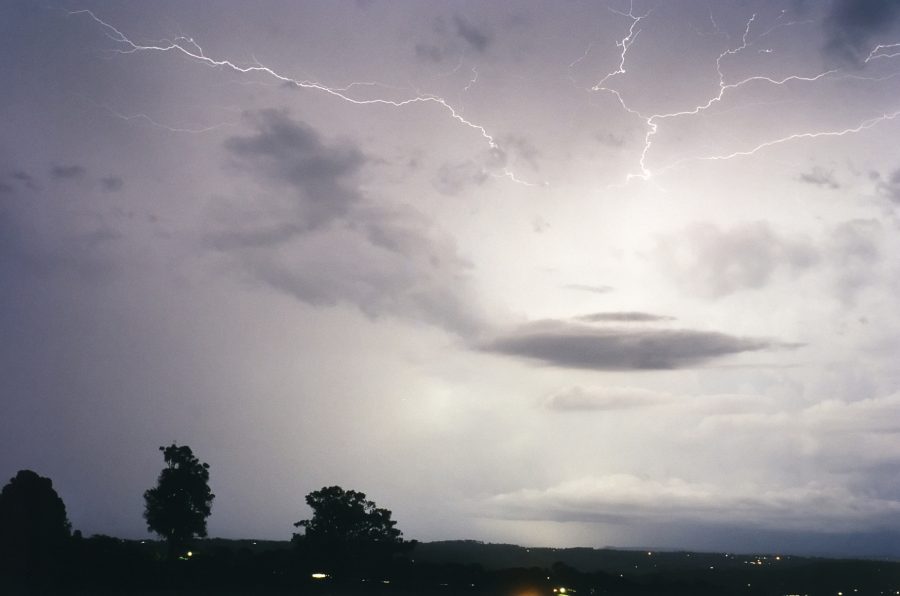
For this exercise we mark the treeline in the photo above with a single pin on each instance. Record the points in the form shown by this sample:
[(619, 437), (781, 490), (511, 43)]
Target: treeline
[(348, 546), (107, 565)]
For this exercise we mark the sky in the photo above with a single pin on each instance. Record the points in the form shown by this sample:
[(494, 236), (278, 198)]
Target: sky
[(546, 273)]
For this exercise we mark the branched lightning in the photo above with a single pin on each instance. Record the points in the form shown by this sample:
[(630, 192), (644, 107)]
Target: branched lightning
[(652, 121), (473, 80), (150, 121), (188, 47), (865, 125), (892, 49)]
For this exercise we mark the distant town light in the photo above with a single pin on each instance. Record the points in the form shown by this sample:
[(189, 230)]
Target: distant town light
[(320, 576)]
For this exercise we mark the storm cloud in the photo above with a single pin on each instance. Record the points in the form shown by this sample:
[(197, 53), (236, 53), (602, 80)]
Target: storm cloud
[(620, 498), (852, 27), (890, 187), (560, 343), (579, 399), (328, 244), (598, 289), (623, 317), (819, 176), (291, 154), (336, 274), (477, 39), (714, 262), (73, 171)]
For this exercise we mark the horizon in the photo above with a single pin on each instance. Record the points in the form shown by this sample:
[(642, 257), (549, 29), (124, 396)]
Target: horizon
[(522, 272)]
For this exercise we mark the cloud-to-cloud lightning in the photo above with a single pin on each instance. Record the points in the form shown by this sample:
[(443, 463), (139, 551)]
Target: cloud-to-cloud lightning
[(189, 47), (652, 122)]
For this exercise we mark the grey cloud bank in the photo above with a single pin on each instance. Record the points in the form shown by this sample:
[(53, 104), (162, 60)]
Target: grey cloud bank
[(580, 346)]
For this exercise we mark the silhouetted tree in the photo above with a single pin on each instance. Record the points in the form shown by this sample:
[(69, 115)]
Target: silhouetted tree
[(177, 507), (347, 532), (33, 524)]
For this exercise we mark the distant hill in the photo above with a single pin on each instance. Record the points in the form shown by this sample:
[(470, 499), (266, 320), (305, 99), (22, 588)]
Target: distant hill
[(590, 560)]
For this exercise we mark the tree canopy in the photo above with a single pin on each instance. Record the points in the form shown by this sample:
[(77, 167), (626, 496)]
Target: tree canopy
[(177, 507), (348, 530), (33, 521)]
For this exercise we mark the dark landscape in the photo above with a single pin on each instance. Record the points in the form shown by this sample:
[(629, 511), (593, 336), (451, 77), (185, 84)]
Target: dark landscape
[(351, 546), (450, 297), (106, 565)]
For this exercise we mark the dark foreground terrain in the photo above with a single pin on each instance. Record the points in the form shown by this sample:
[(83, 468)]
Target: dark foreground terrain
[(104, 565)]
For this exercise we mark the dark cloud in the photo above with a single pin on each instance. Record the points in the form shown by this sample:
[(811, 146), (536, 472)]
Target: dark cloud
[(454, 179), (429, 52), (578, 399), (610, 139), (5, 188), (73, 171), (819, 176), (890, 186), (713, 262), (253, 235), (475, 37), (112, 183), (580, 346), (620, 497), (623, 317), (382, 260), (292, 154), (588, 288), (24, 178), (855, 252), (523, 150), (852, 26), (26, 248)]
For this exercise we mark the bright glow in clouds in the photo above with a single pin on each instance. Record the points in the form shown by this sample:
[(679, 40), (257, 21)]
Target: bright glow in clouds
[(555, 274)]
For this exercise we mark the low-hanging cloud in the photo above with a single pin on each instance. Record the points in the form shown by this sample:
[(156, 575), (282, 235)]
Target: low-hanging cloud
[(67, 172), (566, 344), (292, 155), (889, 187), (819, 176), (328, 244), (623, 498), (598, 289), (855, 251), (580, 399), (852, 26), (112, 183), (476, 38), (623, 317), (714, 262)]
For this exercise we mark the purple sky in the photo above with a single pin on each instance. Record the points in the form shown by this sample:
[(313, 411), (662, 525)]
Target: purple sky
[(580, 273)]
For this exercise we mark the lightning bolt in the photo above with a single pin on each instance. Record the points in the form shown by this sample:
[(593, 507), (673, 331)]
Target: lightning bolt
[(878, 52), (865, 125), (652, 122), (150, 121), (473, 80), (188, 47)]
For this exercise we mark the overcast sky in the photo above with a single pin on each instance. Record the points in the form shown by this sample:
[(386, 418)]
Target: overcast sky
[(550, 273)]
